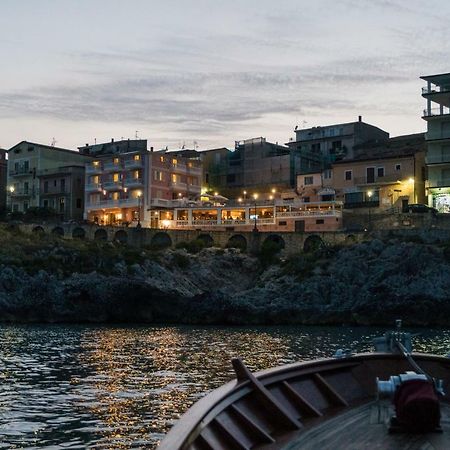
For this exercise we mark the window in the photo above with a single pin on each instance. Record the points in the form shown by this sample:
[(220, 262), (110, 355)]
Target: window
[(327, 174), (305, 199), (137, 157), (174, 161), (282, 223), (116, 161), (63, 185), (348, 175), (96, 164), (26, 187), (161, 158), (328, 198), (315, 147), (54, 183), (157, 175), (45, 204), (15, 206), (115, 196), (96, 179), (136, 174), (231, 178), (380, 172), (320, 221), (116, 177), (398, 167), (45, 187), (62, 202), (78, 203), (174, 178), (309, 180), (206, 178), (25, 206), (26, 166)]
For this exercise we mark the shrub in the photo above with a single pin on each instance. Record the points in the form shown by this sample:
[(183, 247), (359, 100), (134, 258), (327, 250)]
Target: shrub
[(268, 254), (193, 246)]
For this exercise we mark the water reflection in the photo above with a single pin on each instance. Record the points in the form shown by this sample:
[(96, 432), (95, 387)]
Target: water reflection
[(118, 387)]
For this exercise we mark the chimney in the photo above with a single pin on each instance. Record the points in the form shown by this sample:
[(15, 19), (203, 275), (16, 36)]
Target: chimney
[(359, 118), (151, 149), (112, 140), (87, 145)]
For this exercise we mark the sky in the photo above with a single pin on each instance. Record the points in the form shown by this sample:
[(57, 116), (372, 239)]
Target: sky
[(210, 72)]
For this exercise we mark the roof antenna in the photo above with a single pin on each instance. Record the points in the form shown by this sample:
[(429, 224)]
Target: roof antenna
[(54, 141), (136, 134)]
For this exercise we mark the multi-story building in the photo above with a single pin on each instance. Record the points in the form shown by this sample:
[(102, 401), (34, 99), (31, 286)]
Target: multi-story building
[(128, 184), (319, 147), (27, 163), (254, 165), (437, 115), (3, 178), (385, 176), (62, 189)]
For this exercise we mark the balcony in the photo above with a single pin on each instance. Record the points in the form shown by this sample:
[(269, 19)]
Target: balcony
[(93, 187), (133, 182), (437, 136), (386, 179), (443, 182), (18, 193), (112, 185), (436, 112), (120, 203), (435, 90), (20, 171), (93, 169), (133, 163), (112, 167), (178, 185)]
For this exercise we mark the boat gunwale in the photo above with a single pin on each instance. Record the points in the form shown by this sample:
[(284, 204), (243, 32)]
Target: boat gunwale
[(199, 414)]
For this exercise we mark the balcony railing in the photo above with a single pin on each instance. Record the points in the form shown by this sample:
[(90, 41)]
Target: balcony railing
[(178, 185), (133, 163), (20, 171), (112, 185), (93, 187), (111, 167), (120, 203), (91, 168), (20, 193), (443, 182), (437, 159), (133, 182), (435, 112), (391, 178), (435, 89)]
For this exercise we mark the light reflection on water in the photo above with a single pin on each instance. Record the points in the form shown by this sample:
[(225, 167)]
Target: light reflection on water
[(123, 387)]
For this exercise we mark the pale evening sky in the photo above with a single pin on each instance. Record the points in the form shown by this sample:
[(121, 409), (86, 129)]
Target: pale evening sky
[(213, 71)]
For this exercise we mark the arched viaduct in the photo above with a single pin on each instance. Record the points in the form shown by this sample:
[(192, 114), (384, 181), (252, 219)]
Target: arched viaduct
[(292, 242)]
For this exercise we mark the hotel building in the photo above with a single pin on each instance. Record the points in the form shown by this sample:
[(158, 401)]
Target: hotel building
[(128, 184), (3, 178), (437, 116)]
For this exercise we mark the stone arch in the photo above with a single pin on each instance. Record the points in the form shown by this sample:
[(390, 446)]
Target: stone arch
[(38, 230), (207, 240), (161, 240), (237, 241), (312, 243), (78, 233), (121, 236), (100, 235), (350, 239), (58, 231), (275, 240)]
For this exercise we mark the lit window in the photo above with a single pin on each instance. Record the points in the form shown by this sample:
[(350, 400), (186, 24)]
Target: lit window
[(161, 158), (96, 163), (116, 160), (174, 161), (115, 196), (137, 157), (136, 174), (190, 165), (174, 178), (116, 178), (157, 175)]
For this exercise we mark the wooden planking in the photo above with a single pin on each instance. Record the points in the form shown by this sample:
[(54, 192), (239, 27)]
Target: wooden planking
[(329, 391), (303, 404), (260, 434)]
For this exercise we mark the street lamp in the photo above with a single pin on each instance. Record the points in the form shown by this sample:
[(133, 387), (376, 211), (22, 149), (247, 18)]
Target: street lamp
[(369, 194), (255, 228), (139, 195)]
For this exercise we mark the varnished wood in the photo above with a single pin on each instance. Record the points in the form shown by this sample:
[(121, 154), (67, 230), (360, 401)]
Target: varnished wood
[(329, 391)]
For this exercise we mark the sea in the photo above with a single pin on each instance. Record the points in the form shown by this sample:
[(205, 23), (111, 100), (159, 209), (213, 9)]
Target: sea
[(123, 387)]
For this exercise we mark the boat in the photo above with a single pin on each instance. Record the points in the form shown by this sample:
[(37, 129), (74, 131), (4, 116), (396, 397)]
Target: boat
[(388, 399)]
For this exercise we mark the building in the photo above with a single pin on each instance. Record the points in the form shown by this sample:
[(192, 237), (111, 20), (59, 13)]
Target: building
[(30, 164), (128, 184), (384, 176), (318, 147), (255, 165), (437, 116), (62, 189), (3, 178)]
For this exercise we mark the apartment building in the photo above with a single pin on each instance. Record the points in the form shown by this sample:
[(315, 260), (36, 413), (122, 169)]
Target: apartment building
[(3, 178), (29, 164), (384, 176), (254, 165), (318, 147), (437, 116), (128, 184)]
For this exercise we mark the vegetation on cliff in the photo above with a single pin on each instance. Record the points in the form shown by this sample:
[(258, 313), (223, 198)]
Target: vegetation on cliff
[(45, 278)]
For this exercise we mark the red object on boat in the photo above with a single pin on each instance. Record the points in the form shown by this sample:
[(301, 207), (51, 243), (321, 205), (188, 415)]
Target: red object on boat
[(417, 406)]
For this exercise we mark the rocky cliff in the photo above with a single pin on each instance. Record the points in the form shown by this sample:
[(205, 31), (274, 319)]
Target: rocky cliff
[(50, 280)]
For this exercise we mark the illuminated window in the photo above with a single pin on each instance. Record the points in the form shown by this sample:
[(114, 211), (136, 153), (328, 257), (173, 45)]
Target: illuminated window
[(116, 160), (96, 179), (115, 196), (157, 175), (161, 158), (190, 165), (136, 174), (116, 177), (137, 157), (174, 178), (96, 163), (174, 161)]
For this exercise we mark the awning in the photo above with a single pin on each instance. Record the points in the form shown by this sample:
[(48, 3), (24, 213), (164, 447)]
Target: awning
[(326, 191)]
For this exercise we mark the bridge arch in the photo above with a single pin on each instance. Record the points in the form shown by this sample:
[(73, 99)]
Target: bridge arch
[(274, 240), (78, 233), (207, 240), (312, 243), (350, 239), (121, 236), (38, 230), (237, 241), (58, 231), (160, 241), (100, 235)]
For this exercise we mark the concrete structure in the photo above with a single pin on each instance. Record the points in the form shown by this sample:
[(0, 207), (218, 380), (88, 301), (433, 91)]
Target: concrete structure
[(126, 183), (382, 176), (27, 163), (3, 178), (319, 147), (255, 165), (437, 115), (62, 189)]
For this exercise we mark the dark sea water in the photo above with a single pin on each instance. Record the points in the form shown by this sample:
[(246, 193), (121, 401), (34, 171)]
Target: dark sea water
[(123, 387)]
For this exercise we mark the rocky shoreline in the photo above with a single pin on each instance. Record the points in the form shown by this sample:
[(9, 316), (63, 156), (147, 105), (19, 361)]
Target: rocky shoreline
[(370, 283)]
